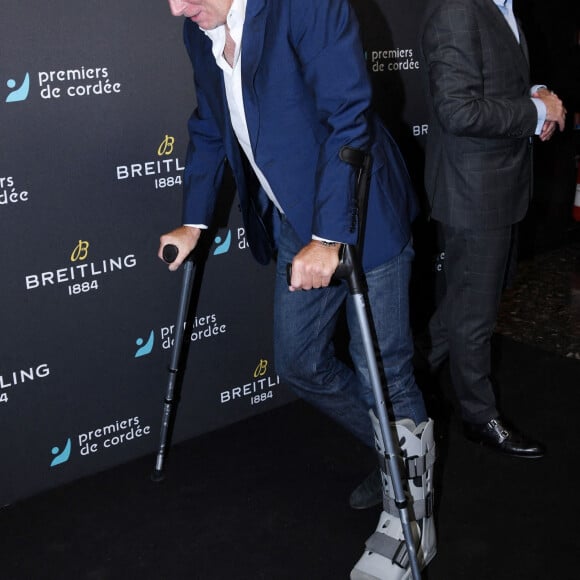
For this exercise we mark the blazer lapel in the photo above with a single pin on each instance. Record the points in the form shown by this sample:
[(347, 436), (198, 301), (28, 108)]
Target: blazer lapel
[(503, 30), (252, 49), (523, 44), (220, 105)]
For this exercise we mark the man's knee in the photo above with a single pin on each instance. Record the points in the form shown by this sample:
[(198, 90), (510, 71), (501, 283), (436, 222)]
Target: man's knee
[(293, 369)]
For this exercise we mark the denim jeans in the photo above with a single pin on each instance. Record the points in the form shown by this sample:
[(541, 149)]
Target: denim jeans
[(304, 327)]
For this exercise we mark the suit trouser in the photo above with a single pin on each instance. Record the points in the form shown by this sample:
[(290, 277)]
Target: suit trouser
[(461, 328)]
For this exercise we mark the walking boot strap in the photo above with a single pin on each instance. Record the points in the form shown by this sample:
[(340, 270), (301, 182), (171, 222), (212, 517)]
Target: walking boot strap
[(415, 466), (388, 547), (419, 509)]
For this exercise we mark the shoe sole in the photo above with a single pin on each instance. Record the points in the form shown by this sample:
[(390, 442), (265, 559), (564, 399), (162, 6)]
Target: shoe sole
[(507, 453)]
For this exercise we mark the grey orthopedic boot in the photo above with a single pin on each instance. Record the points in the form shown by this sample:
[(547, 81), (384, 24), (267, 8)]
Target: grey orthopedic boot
[(385, 555)]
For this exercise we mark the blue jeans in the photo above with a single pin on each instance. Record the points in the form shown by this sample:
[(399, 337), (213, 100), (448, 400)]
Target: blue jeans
[(304, 328)]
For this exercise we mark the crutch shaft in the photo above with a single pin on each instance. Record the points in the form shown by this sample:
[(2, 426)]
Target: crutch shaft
[(356, 285), (350, 269), (169, 254)]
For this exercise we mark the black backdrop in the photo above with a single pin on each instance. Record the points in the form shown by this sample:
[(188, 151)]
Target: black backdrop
[(94, 99)]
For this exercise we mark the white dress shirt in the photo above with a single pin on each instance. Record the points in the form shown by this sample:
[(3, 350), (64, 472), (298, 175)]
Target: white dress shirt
[(233, 84)]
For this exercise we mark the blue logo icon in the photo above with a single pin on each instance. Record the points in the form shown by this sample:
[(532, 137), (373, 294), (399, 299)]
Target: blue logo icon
[(145, 349), (223, 246), (61, 456), (20, 93)]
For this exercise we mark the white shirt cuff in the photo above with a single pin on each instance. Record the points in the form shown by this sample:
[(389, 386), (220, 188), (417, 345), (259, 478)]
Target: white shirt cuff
[(319, 239), (541, 109)]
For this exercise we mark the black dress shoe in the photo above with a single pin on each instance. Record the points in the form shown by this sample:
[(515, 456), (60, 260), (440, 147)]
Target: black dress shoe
[(497, 435)]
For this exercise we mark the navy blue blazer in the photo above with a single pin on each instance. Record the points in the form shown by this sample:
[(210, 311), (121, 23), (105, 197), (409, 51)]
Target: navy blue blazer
[(306, 95)]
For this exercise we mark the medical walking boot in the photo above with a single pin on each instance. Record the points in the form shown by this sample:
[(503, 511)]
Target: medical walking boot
[(385, 556)]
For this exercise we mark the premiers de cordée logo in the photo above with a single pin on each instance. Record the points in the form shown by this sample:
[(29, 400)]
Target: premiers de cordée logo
[(10, 193), (118, 432), (82, 81)]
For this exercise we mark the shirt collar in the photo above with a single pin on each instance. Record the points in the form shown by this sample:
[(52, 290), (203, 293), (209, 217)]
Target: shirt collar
[(503, 3), (235, 21)]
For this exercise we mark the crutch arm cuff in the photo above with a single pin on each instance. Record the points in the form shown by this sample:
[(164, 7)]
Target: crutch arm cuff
[(352, 156)]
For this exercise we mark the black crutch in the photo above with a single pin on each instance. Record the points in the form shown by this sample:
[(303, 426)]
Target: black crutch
[(169, 406), (350, 269)]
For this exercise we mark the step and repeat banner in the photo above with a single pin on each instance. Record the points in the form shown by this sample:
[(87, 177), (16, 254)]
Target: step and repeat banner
[(94, 100)]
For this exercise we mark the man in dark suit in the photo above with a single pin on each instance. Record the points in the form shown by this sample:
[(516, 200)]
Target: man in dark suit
[(484, 115), (282, 96)]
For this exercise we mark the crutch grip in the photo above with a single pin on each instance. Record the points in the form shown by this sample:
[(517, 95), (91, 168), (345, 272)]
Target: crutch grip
[(289, 272), (170, 252), (342, 271)]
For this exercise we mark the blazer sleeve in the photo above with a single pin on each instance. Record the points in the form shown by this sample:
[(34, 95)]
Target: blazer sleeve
[(465, 101), (205, 158), (326, 38)]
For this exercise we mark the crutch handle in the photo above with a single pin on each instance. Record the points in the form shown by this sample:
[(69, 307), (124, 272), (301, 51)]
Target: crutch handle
[(170, 252), (343, 270)]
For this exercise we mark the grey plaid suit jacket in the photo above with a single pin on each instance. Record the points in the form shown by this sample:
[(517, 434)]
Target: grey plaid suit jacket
[(478, 155)]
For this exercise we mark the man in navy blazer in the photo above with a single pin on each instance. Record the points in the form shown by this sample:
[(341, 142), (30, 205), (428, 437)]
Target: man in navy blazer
[(282, 88)]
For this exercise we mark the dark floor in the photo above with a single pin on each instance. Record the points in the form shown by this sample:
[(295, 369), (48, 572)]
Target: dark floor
[(543, 306), (267, 498)]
